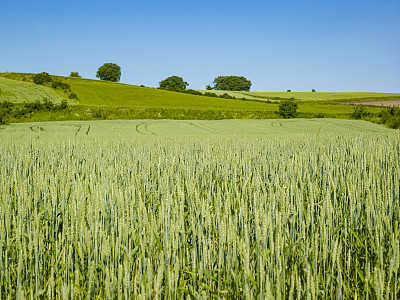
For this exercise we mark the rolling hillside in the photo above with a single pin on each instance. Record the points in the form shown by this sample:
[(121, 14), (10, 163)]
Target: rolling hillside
[(116, 98), (19, 91)]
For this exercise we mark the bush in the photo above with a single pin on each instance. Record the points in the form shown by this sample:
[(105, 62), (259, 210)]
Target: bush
[(360, 112), (193, 92), (3, 116), (288, 108), (289, 91), (73, 96), (313, 91), (208, 94), (63, 105), (75, 74), (47, 104), (390, 116), (227, 96), (41, 78), (58, 84)]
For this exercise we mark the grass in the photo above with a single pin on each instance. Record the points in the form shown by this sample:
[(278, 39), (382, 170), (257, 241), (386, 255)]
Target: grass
[(200, 209), (175, 128), (326, 96), (19, 92), (107, 100)]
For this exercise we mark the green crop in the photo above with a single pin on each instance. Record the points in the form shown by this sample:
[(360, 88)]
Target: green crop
[(312, 216)]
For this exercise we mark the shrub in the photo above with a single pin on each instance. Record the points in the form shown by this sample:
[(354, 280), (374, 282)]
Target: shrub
[(390, 116), (75, 74), (360, 112), (63, 105), (208, 94), (289, 91), (3, 116), (313, 91), (227, 96), (193, 92), (288, 108), (73, 96), (41, 78), (47, 104), (58, 84)]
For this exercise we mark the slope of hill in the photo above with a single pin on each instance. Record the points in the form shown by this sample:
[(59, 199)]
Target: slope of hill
[(19, 91)]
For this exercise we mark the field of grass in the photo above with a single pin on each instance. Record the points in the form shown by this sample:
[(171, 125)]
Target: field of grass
[(325, 97), (107, 100), (19, 92), (196, 128), (269, 209)]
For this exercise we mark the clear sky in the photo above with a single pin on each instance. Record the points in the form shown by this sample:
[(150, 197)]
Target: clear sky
[(335, 45)]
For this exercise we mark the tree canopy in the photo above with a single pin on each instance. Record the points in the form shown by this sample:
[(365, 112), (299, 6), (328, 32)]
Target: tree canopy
[(232, 83), (109, 72), (173, 83)]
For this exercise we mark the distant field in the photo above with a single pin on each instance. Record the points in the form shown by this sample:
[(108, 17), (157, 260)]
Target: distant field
[(195, 128), (100, 93), (19, 91), (321, 96)]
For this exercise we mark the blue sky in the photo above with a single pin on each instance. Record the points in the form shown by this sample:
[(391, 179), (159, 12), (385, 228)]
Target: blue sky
[(337, 45)]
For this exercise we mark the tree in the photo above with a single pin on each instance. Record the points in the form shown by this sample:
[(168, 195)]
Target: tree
[(75, 74), (173, 83), (109, 72), (289, 91), (313, 91), (288, 108), (42, 78), (231, 83)]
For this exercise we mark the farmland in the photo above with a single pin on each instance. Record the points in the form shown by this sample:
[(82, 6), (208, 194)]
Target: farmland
[(270, 209)]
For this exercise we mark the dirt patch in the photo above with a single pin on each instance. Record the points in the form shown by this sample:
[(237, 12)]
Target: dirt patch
[(381, 103)]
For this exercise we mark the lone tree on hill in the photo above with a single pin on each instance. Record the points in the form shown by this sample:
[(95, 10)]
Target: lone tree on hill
[(173, 83), (232, 83), (109, 72)]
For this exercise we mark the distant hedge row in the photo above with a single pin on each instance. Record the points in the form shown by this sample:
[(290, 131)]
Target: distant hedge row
[(17, 111)]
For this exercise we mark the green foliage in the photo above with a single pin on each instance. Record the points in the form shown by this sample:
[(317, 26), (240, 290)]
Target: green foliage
[(73, 96), (288, 108), (173, 83), (208, 94), (75, 74), (192, 92), (58, 84), (109, 72), (209, 87), (232, 83), (227, 96), (42, 78), (289, 91), (360, 112), (390, 116), (313, 91)]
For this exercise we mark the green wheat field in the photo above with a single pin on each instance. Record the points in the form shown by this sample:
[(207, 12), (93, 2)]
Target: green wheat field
[(143, 209)]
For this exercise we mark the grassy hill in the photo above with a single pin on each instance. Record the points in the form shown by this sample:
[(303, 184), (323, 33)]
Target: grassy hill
[(322, 97), (107, 100), (20, 91)]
